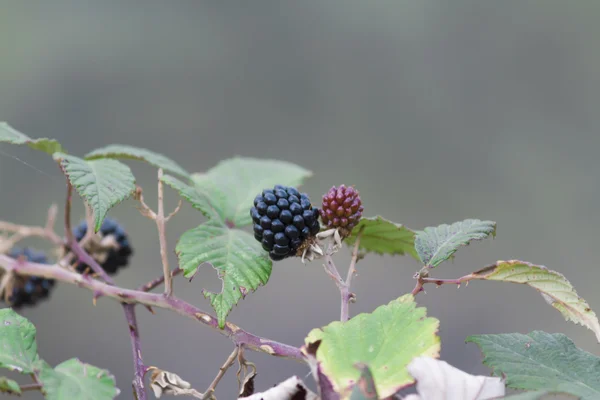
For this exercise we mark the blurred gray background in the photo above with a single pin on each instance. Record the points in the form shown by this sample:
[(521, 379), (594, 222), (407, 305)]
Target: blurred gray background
[(437, 111)]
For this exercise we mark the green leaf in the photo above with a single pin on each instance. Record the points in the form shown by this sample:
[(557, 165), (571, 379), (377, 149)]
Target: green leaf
[(17, 341), (9, 386), (554, 287), (135, 153), (386, 340), (383, 237), (234, 183), (73, 379), (102, 183), (199, 199), (541, 361), (10, 135), (365, 387), (436, 244), (241, 262)]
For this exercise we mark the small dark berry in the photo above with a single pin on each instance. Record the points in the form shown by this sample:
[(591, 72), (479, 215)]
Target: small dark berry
[(267, 246), (265, 222), (280, 193), (305, 203), (295, 243), (280, 250), (261, 207), (283, 204), (258, 229), (293, 192), (270, 199), (281, 239), (296, 208), (277, 226), (269, 236), (276, 257), (273, 212), (255, 215), (292, 232), (257, 199), (286, 216), (305, 232), (308, 216), (293, 199), (298, 221)]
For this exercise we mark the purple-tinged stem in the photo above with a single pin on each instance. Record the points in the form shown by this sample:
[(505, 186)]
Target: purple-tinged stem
[(138, 362), (158, 281), (101, 289)]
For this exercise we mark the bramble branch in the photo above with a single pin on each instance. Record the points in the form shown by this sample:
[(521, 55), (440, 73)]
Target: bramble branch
[(422, 278), (128, 296)]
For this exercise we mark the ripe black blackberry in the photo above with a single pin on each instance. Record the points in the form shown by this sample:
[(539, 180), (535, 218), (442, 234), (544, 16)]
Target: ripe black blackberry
[(283, 220), (110, 247), (27, 290)]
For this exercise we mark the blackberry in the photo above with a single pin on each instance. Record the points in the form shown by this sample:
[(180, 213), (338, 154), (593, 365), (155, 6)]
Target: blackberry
[(110, 247), (283, 220), (342, 209), (27, 290)]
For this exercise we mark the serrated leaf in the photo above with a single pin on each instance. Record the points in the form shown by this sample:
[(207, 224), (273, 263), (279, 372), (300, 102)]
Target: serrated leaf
[(10, 135), (437, 379), (383, 237), (436, 244), (18, 347), (541, 361), (199, 199), (241, 262), (9, 386), (554, 287), (136, 153), (73, 379), (102, 183), (387, 340), (234, 183)]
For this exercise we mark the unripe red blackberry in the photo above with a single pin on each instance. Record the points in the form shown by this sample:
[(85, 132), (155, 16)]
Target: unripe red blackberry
[(342, 209), (283, 220)]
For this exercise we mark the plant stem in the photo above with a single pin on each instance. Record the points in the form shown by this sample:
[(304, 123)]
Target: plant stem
[(158, 281), (46, 231), (162, 236), (228, 363), (81, 254), (138, 362), (422, 279), (343, 286), (100, 289), (31, 387)]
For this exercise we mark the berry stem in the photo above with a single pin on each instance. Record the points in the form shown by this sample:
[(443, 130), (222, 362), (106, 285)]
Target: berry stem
[(31, 387), (81, 254), (101, 289), (162, 236), (138, 362), (158, 281)]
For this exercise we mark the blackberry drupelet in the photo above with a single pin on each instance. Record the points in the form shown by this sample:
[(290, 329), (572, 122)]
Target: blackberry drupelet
[(341, 209), (283, 220), (110, 247), (27, 290)]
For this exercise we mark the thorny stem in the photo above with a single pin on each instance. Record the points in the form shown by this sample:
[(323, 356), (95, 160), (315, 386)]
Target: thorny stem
[(75, 246), (228, 363), (158, 281), (101, 289), (162, 236), (21, 232), (343, 285), (138, 362), (423, 278)]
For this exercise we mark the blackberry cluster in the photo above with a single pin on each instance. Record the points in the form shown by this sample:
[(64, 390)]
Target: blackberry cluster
[(28, 290), (110, 248), (342, 209), (283, 220)]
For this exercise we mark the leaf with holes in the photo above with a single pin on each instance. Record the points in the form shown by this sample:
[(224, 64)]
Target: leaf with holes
[(234, 183), (123, 151), (9, 386), (541, 361), (436, 244), (10, 135), (241, 262), (102, 183), (73, 379), (386, 340), (199, 199), (554, 287), (437, 379), (383, 237), (18, 344)]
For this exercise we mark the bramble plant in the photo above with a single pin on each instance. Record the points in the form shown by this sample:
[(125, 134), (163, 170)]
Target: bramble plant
[(367, 356)]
